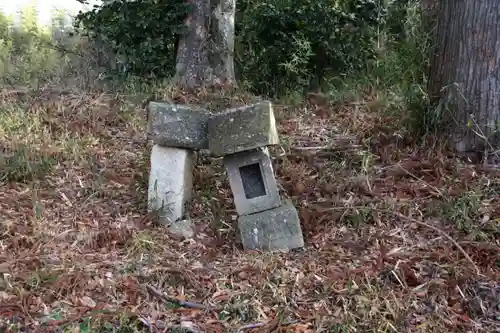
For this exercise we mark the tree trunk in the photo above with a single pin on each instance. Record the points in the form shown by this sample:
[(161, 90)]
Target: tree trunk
[(465, 75), (222, 60), (205, 52)]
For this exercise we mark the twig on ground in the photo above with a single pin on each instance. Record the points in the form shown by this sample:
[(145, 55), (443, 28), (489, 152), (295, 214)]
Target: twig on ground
[(327, 147), (421, 179), (311, 148), (460, 248), (184, 304)]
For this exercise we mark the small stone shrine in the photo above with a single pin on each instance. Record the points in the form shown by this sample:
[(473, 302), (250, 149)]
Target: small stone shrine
[(241, 136)]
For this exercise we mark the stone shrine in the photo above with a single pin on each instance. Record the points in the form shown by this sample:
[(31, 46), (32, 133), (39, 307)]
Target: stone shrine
[(241, 136)]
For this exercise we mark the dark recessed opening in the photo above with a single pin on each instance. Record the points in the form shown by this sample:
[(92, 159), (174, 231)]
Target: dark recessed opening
[(253, 182)]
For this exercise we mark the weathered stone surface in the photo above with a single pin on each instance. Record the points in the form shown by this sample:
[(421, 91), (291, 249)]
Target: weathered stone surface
[(271, 230), (182, 228), (252, 181), (241, 129), (179, 126), (170, 182)]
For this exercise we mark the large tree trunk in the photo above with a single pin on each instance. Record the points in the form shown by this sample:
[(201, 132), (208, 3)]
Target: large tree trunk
[(465, 75), (205, 52)]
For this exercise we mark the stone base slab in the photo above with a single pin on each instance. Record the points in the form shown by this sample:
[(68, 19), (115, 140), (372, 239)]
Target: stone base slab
[(275, 229)]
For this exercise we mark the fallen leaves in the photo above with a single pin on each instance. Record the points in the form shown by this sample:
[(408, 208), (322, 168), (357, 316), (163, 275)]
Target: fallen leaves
[(378, 254)]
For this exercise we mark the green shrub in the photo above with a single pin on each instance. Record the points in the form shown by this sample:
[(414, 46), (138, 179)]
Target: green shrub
[(402, 68), (281, 44), (285, 44), (283, 47), (25, 58), (141, 33)]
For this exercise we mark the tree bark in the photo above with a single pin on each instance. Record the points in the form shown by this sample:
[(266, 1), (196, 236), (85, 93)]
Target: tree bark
[(465, 75), (205, 51), (222, 32)]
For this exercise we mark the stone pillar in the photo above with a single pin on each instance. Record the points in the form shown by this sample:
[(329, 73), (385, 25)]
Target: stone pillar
[(170, 183), (176, 131)]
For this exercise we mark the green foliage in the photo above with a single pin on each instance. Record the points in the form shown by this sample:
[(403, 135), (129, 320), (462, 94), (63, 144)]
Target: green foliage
[(27, 56), (283, 44), (401, 68), (469, 214), (24, 165), (396, 20), (282, 48), (5, 27), (280, 44), (463, 211), (143, 32)]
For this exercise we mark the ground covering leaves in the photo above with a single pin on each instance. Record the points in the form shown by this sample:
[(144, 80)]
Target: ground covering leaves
[(400, 236)]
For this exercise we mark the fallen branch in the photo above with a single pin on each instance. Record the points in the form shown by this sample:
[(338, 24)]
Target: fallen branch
[(461, 249), (410, 219), (311, 148), (192, 305), (327, 147), (184, 304)]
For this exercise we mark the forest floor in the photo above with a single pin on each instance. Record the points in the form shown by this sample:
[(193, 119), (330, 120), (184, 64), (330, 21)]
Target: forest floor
[(400, 237)]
